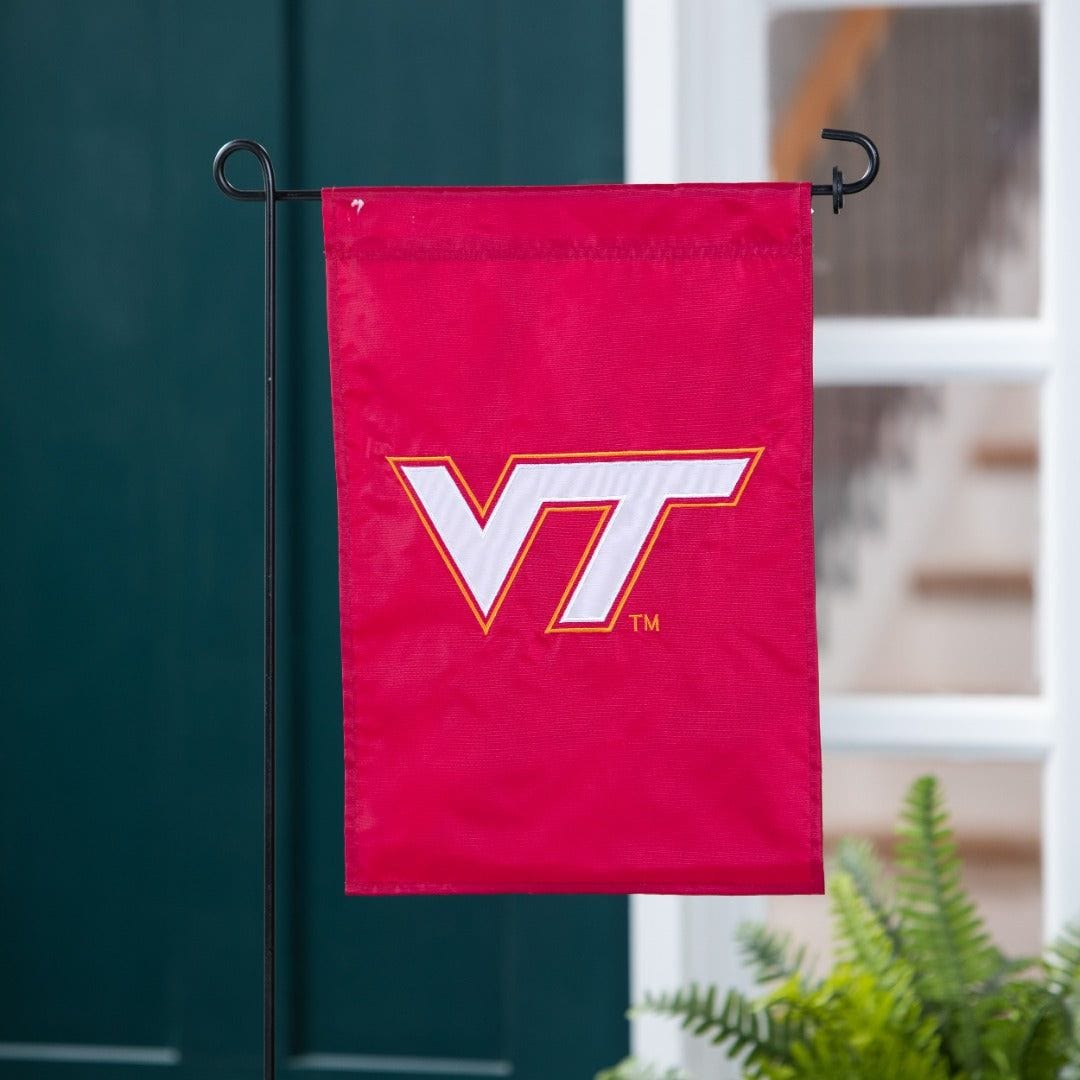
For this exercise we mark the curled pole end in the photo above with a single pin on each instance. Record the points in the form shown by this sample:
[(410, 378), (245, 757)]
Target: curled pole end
[(838, 188), (259, 152)]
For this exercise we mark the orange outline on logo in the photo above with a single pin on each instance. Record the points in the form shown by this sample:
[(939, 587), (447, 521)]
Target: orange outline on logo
[(481, 511)]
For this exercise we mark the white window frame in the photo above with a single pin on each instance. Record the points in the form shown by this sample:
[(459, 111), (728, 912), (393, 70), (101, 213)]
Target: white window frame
[(696, 84)]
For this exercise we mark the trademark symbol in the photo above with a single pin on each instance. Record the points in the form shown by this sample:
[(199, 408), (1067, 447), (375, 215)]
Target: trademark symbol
[(650, 623)]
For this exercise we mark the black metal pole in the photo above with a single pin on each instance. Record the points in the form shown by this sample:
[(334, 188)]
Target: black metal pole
[(269, 620), (269, 196)]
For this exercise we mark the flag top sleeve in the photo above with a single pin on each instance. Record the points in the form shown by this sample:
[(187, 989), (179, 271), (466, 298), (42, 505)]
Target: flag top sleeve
[(573, 447)]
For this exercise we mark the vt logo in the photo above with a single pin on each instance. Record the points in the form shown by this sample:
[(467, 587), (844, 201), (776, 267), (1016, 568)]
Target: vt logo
[(632, 493)]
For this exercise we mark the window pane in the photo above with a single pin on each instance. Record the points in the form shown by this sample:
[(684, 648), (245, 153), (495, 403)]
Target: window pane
[(995, 814), (951, 96), (925, 512)]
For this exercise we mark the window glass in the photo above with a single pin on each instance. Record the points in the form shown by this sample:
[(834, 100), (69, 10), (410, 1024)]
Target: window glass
[(951, 96), (925, 511)]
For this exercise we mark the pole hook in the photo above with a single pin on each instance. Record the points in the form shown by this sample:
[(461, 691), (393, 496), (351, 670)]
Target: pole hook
[(838, 189)]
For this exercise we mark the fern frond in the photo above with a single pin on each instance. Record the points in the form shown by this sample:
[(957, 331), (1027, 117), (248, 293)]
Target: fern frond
[(1024, 1031), (1009, 968), (862, 938), (858, 1026), (747, 1029), (944, 938), (857, 858), (632, 1069), (1043, 1052), (1062, 967), (1062, 963), (770, 954)]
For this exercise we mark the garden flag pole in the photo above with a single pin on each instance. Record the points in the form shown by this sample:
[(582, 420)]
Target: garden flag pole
[(478, 513)]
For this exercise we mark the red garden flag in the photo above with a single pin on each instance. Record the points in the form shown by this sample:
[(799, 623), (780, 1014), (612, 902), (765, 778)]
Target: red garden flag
[(572, 431)]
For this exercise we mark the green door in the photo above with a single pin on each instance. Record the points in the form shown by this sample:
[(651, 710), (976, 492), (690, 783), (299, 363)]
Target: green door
[(130, 613)]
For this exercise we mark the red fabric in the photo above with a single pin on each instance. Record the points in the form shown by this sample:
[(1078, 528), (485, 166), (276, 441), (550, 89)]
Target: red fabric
[(545, 742)]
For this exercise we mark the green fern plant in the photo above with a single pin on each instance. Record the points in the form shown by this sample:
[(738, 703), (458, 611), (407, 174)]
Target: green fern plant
[(633, 1070), (919, 991), (1062, 968)]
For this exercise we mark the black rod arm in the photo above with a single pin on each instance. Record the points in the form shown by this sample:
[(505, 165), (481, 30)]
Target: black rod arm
[(838, 188)]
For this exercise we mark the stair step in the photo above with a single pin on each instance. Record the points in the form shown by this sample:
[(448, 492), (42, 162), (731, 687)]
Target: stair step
[(1013, 583), (953, 642), (1013, 414), (1009, 454), (988, 800), (991, 520)]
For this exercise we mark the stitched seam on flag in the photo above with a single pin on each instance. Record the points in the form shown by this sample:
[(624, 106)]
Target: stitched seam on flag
[(720, 886), (812, 831), (358, 757), (482, 510), (559, 250), (622, 191)]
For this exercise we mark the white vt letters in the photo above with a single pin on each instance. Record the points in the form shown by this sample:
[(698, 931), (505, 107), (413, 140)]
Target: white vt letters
[(638, 491)]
